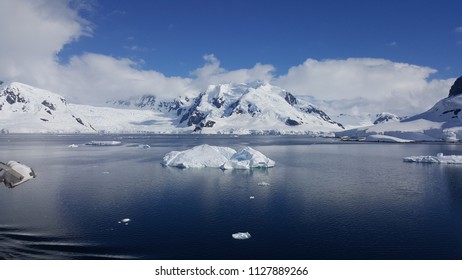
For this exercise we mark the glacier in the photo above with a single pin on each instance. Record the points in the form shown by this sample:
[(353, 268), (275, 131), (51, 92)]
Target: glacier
[(217, 157)]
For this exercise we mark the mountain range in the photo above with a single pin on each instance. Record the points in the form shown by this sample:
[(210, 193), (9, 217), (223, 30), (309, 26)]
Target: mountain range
[(257, 108), (253, 108)]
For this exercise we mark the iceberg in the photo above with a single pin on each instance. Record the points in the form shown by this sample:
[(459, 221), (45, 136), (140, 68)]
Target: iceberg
[(217, 157), (248, 158), (241, 235), (439, 158), (199, 156), (144, 146), (124, 221), (73, 146)]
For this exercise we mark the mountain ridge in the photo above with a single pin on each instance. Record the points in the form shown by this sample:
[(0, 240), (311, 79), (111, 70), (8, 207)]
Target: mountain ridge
[(257, 108)]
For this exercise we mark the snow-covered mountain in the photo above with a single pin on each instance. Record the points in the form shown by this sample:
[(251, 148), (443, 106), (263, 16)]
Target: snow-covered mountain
[(149, 102), (229, 108), (252, 108), (442, 122), (25, 109)]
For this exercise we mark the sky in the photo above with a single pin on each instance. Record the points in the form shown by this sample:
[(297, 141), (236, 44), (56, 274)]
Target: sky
[(399, 56)]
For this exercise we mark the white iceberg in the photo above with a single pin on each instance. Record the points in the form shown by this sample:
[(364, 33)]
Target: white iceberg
[(241, 235), (73, 146), (199, 156), (248, 158), (144, 146), (439, 158), (263, 184), (217, 157)]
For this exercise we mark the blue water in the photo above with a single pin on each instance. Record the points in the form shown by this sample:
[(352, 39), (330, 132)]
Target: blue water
[(325, 200)]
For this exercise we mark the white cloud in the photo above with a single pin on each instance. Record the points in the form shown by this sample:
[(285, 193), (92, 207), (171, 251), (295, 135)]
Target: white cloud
[(33, 32), (378, 84), (213, 73), (458, 29), (95, 78)]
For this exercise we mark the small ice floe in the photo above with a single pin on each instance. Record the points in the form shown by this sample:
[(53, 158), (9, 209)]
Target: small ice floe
[(124, 221), (73, 146), (144, 146), (217, 157), (104, 143), (439, 158), (106, 172), (252, 197), (263, 184), (241, 235)]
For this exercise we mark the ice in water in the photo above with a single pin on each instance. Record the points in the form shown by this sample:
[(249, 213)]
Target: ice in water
[(241, 235)]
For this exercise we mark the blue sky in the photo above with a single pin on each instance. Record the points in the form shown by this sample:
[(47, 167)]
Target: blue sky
[(171, 36), (399, 56)]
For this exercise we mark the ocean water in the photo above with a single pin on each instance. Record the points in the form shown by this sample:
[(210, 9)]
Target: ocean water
[(325, 199)]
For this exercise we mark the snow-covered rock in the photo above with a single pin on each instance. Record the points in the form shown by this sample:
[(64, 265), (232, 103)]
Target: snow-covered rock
[(217, 157), (386, 117), (439, 158)]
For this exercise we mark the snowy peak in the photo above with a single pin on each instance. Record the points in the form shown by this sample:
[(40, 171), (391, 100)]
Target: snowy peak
[(386, 117), (22, 97), (44, 110), (257, 106)]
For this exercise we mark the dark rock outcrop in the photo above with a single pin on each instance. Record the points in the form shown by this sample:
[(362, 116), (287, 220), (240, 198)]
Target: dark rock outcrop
[(456, 88)]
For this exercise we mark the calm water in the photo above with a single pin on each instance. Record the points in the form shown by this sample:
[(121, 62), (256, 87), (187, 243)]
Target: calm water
[(325, 200)]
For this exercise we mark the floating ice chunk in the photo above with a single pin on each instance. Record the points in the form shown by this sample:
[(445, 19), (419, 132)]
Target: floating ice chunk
[(252, 197), (73, 146), (218, 157), (199, 156), (439, 158), (241, 235), (144, 146), (263, 184), (124, 221), (248, 158), (104, 143)]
